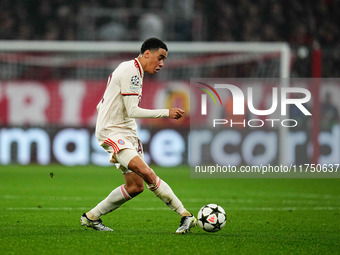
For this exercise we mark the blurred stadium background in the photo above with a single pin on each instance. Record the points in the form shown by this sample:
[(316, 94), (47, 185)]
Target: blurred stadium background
[(55, 57)]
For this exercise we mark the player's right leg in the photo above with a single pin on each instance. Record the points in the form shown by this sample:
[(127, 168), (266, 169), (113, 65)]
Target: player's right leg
[(163, 191)]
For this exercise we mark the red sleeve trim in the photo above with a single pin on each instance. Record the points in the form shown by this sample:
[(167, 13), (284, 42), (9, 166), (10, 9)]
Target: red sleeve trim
[(130, 94)]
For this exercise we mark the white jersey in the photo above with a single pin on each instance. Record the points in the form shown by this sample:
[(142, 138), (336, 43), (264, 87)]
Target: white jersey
[(119, 106)]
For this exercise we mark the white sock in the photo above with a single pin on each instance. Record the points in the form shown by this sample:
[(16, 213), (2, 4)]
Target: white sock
[(113, 201), (163, 191)]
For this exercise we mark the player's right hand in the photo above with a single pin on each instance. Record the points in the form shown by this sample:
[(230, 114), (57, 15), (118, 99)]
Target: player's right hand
[(176, 113)]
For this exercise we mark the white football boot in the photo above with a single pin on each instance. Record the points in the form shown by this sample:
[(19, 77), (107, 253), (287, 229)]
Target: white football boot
[(187, 222), (95, 224)]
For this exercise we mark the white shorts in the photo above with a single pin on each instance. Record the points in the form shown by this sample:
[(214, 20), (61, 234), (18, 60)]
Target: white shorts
[(122, 150)]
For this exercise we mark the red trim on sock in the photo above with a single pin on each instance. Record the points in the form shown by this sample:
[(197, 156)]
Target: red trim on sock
[(125, 194), (157, 185)]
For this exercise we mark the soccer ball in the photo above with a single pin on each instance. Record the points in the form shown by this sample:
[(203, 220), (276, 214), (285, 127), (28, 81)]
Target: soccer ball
[(211, 218)]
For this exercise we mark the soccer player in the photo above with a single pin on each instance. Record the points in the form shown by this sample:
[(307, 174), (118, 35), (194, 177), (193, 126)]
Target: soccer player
[(116, 132)]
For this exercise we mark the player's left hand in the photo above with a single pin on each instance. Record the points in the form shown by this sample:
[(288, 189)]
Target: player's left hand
[(176, 113)]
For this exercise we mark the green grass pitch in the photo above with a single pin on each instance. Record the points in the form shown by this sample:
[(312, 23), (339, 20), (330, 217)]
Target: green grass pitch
[(40, 214)]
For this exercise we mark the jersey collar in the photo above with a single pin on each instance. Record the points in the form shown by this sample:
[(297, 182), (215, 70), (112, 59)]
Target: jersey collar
[(139, 67)]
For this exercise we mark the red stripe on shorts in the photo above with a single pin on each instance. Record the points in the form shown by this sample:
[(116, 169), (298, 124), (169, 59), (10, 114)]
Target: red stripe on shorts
[(112, 144)]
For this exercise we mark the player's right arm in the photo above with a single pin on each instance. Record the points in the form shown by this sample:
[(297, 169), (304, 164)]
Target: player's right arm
[(134, 111), (131, 88), (176, 113)]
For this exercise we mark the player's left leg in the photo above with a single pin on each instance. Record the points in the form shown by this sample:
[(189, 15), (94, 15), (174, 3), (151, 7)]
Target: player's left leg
[(133, 186)]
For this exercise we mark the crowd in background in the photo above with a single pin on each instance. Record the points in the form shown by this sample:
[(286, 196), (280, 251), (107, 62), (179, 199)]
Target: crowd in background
[(300, 23), (296, 22)]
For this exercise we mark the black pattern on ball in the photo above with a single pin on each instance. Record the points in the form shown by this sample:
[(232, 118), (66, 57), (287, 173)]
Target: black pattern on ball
[(211, 218)]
